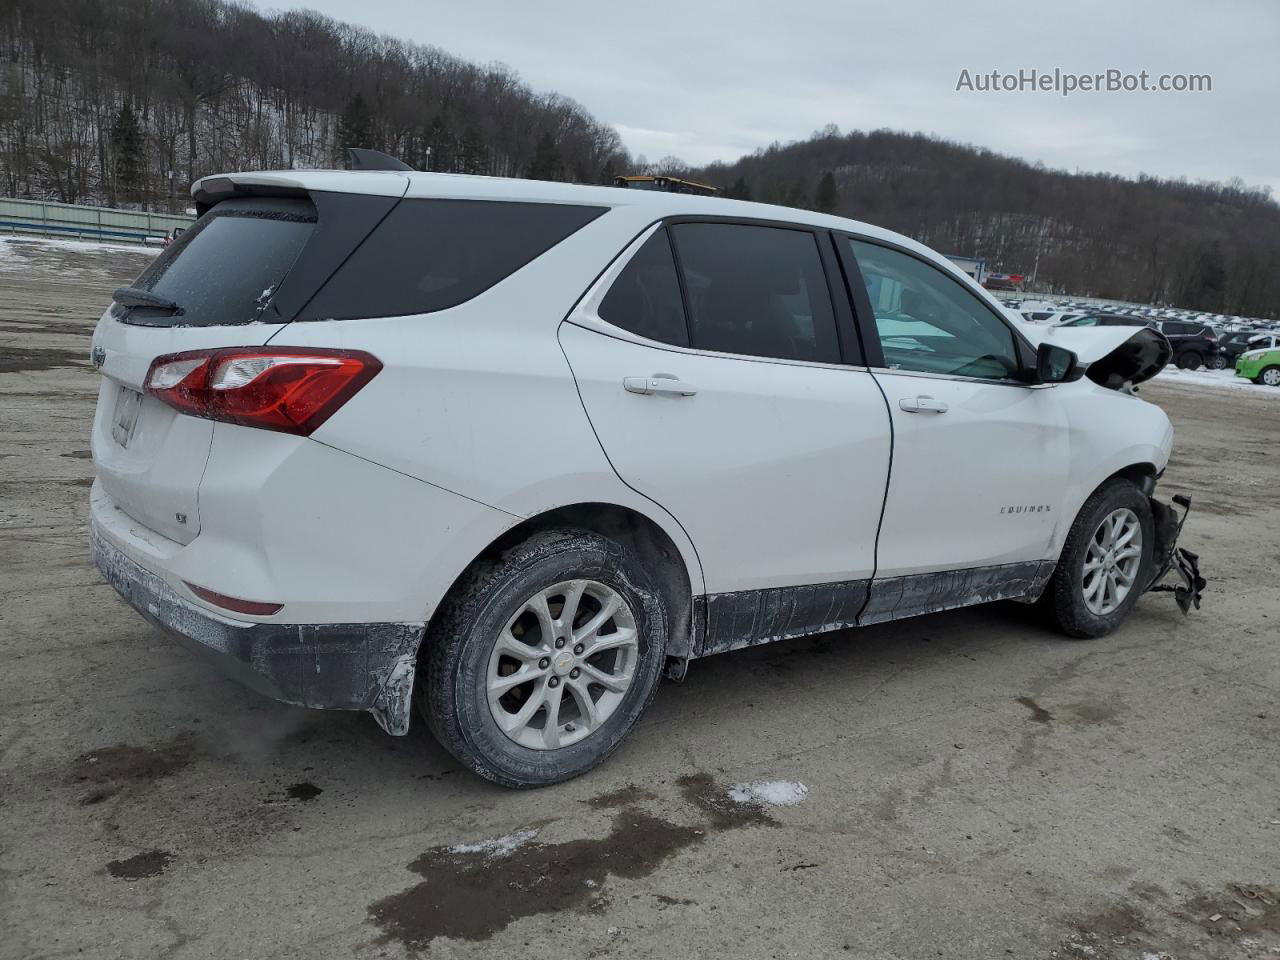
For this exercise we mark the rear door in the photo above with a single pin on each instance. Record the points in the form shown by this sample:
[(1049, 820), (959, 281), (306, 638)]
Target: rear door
[(217, 285), (980, 459), (740, 417)]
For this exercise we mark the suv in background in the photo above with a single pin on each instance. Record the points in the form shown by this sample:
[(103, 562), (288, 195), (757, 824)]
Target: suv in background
[(1194, 345)]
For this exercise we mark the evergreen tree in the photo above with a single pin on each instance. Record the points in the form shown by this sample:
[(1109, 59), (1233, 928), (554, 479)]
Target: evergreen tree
[(546, 159), (126, 148), (828, 196), (739, 190), (355, 124)]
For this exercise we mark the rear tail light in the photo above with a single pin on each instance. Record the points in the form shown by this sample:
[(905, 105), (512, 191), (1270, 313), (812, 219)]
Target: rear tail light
[(252, 607), (289, 389)]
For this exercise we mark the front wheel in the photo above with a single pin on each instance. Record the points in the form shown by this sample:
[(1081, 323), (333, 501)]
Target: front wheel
[(1105, 562), (543, 660), (1270, 377), (1218, 363)]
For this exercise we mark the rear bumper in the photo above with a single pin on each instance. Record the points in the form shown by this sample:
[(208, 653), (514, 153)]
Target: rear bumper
[(339, 666)]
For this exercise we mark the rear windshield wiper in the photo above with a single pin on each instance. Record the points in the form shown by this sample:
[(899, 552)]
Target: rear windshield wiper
[(137, 297)]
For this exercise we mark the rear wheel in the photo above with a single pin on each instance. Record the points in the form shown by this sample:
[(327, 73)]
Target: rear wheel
[(1191, 360), (1269, 376), (1105, 562), (545, 659)]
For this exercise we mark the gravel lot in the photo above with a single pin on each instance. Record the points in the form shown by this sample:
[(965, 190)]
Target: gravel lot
[(976, 786)]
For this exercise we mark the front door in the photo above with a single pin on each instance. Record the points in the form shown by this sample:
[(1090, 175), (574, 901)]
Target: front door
[(980, 458)]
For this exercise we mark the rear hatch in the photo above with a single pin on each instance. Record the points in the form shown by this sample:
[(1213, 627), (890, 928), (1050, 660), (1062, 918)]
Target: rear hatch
[(254, 257)]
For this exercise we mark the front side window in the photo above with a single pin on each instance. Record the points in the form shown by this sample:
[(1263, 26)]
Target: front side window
[(927, 322), (756, 290)]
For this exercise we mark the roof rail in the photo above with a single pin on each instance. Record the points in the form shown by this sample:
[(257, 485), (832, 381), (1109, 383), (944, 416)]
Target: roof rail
[(363, 159)]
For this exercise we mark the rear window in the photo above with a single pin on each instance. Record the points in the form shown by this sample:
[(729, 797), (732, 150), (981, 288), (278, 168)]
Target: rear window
[(429, 255), (223, 271)]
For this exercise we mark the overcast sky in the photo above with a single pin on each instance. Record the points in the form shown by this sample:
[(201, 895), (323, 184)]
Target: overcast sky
[(707, 80)]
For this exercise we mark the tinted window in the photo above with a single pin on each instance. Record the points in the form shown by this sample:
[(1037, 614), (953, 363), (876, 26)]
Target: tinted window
[(430, 255), (224, 270), (645, 298), (759, 291), (930, 323), (1179, 329)]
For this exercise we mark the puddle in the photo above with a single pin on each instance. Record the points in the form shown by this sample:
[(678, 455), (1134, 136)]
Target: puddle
[(123, 763), (470, 891), (18, 360), (469, 894), (149, 864)]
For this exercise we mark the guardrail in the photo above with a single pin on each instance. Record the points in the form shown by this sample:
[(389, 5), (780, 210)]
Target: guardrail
[(49, 218)]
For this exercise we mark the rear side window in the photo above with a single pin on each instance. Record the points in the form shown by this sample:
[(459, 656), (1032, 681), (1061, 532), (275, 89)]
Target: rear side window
[(645, 298), (223, 271), (430, 255), (758, 291)]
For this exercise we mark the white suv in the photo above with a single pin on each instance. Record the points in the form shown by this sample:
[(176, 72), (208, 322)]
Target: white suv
[(513, 449)]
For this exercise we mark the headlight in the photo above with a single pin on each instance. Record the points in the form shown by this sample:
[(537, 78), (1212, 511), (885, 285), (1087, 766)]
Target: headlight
[(1252, 354)]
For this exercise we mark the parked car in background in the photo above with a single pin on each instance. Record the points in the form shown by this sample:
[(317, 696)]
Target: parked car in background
[(512, 450), (1232, 345), (1260, 366), (1194, 344), (1049, 317)]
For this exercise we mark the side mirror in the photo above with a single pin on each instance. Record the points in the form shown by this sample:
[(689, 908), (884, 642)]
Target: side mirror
[(1055, 364)]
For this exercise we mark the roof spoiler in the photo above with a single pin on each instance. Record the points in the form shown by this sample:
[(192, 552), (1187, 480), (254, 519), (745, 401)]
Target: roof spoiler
[(362, 159)]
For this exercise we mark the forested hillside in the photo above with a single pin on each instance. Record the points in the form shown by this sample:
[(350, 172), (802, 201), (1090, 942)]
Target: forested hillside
[(1208, 246), (125, 102), (128, 101)]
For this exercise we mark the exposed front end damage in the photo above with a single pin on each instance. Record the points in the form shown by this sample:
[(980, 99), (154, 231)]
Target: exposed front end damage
[(1169, 557), (336, 666)]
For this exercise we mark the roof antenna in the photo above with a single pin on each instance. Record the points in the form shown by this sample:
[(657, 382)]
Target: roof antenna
[(362, 159)]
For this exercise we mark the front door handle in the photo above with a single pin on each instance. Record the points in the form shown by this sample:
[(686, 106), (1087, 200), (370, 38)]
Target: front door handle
[(658, 385), (922, 405)]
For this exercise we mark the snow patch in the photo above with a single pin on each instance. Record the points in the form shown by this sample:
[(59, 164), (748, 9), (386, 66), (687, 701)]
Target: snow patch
[(498, 846), (770, 793), (8, 244), (1219, 379)]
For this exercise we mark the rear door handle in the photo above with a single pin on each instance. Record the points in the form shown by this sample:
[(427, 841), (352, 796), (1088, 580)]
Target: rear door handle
[(922, 405), (658, 385)]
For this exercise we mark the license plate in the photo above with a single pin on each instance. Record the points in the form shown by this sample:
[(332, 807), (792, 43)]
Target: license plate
[(127, 405)]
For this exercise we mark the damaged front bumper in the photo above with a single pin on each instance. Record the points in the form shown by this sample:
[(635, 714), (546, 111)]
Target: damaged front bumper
[(1169, 556), (336, 666)]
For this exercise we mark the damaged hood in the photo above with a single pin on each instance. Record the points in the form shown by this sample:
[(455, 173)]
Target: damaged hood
[(1111, 356)]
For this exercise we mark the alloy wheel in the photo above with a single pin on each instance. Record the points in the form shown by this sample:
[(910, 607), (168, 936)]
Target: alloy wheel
[(562, 665), (1112, 561)]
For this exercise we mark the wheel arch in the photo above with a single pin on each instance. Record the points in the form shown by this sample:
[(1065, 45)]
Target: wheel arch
[(647, 538)]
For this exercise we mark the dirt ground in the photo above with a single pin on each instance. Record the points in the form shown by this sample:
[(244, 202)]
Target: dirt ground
[(977, 786)]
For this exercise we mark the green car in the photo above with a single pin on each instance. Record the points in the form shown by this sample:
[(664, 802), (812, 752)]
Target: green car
[(1260, 366)]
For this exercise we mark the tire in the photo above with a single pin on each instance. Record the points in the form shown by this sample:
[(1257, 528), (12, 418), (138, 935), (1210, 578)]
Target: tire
[(499, 599), (1065, 598), (1219, 363), (1191, 360), (1269, 377)]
